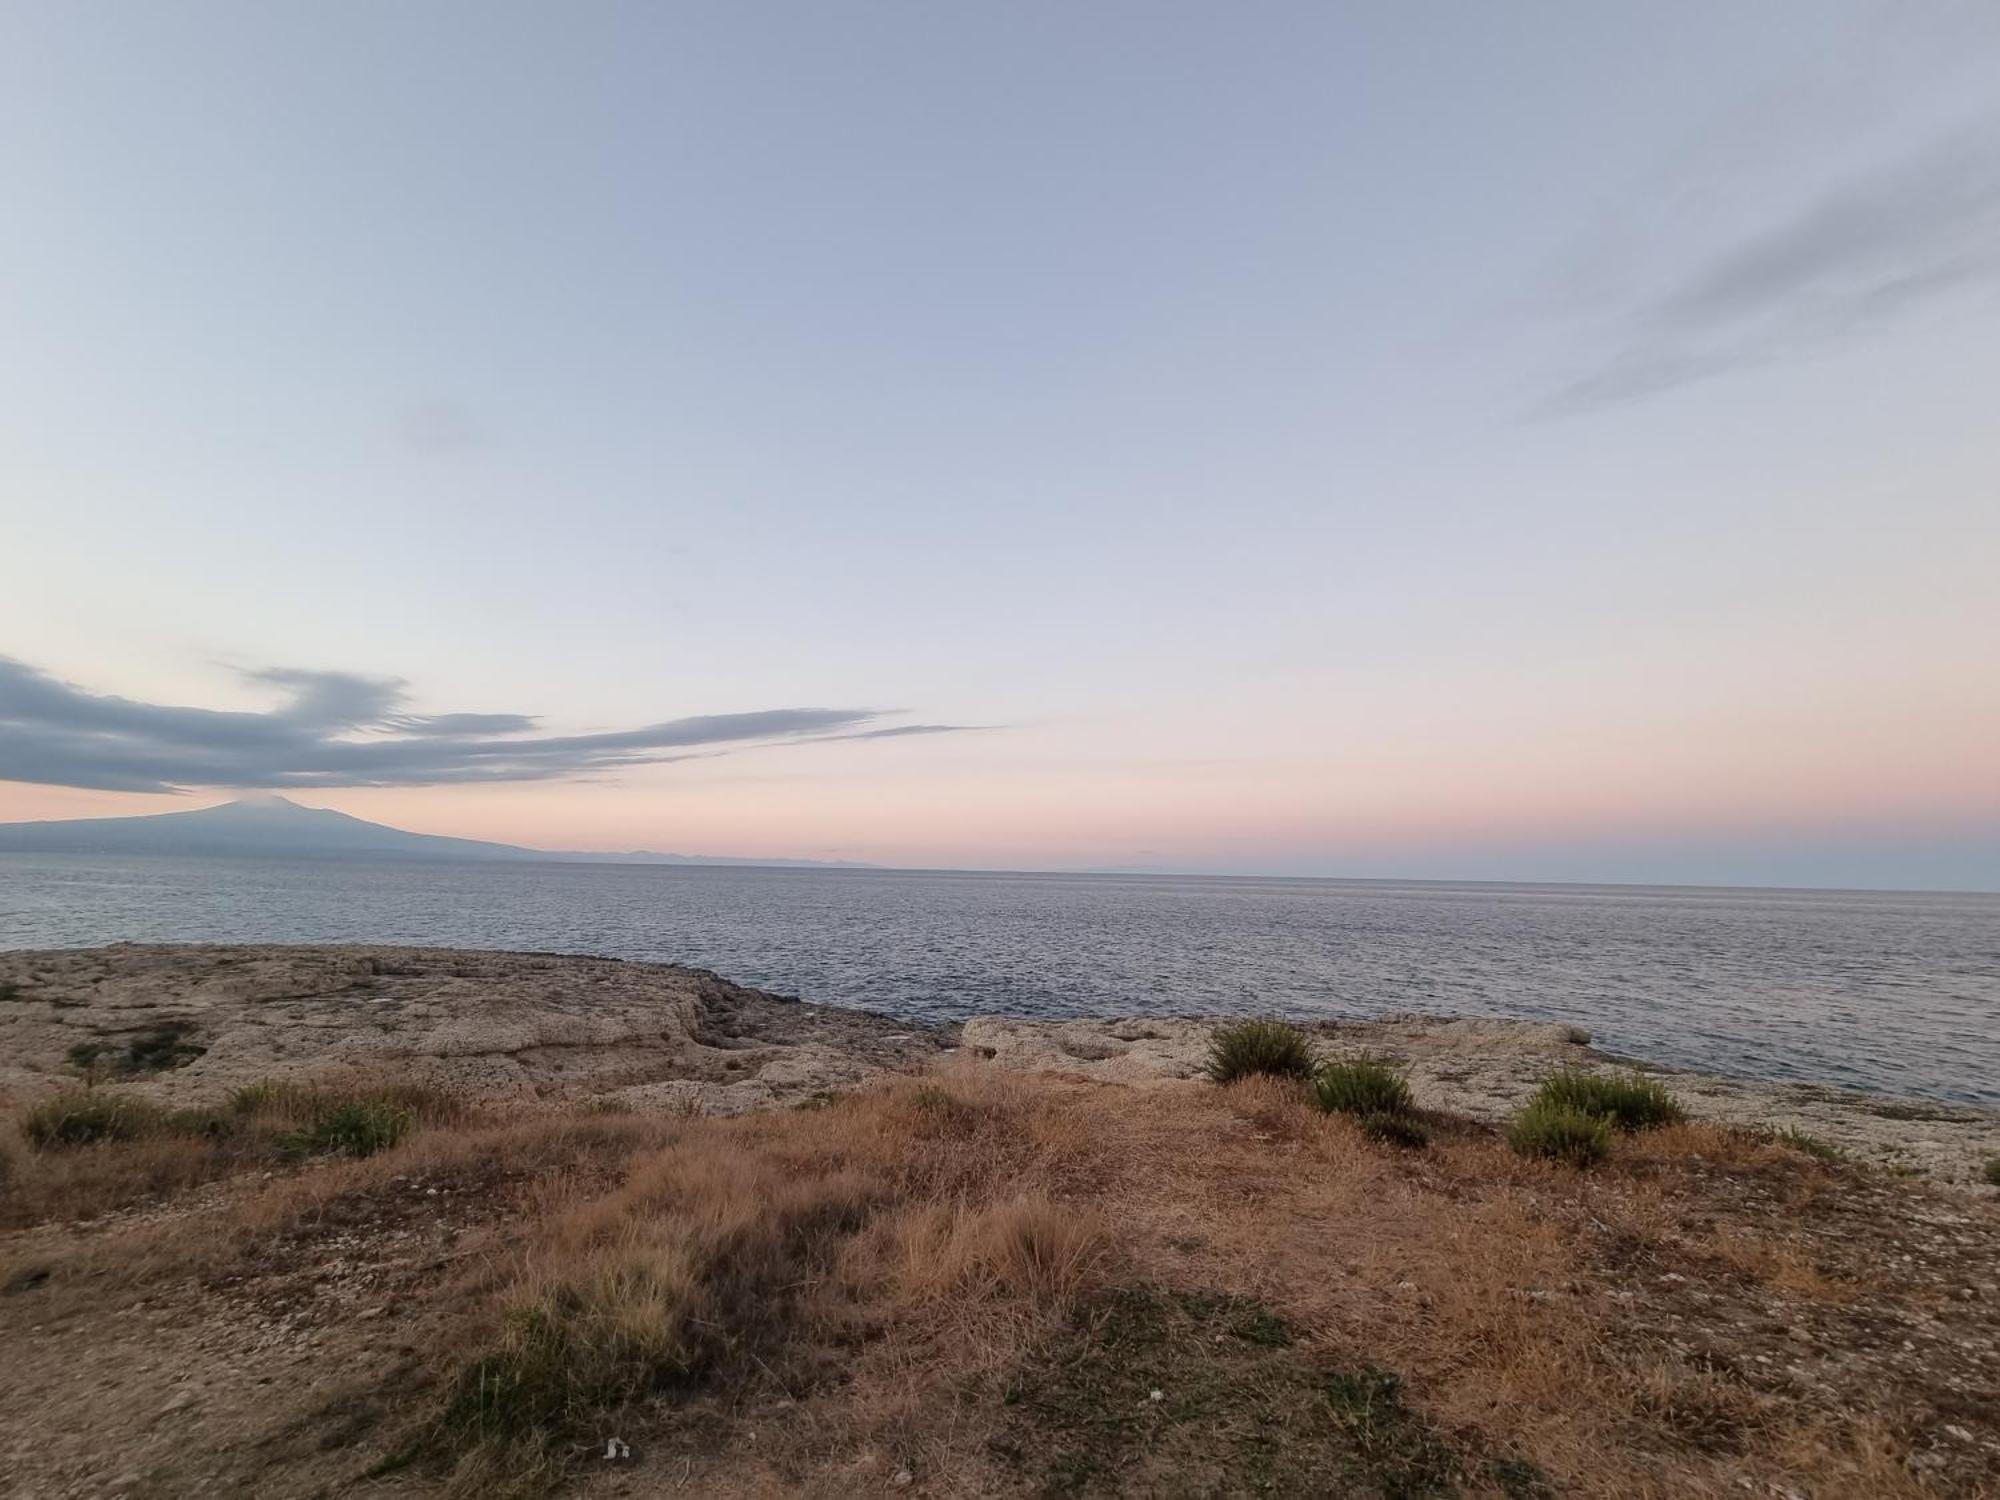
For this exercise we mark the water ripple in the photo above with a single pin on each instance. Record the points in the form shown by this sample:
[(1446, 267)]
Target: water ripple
[(1892, 992)]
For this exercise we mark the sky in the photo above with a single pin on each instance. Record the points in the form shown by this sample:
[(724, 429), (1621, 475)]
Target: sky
[(1405, 439)]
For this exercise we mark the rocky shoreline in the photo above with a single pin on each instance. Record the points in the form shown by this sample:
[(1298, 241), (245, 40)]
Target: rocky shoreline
[(187, 1024), (533, 1209)]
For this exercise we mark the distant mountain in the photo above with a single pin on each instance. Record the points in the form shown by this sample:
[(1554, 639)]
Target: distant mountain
[(273, 827)]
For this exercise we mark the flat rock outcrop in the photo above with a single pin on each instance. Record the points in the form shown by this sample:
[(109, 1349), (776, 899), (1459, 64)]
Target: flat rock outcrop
[(182, 1024), (186, 1024)]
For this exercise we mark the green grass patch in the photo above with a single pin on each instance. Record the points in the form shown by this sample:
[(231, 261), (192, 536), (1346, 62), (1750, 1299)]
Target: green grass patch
[(1627, 1101), (1991, 1171), (1375, 1095), (1403, 1454), (1553, 1132), (88, 1117), (1251, 1048), (580, 1351), (271, 1119), (350, 1127), (1361, 1086)]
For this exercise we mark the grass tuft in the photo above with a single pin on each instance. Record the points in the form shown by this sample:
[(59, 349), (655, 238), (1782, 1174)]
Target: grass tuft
[(1375, 1095), (275, 1099), (85, 1117), (576, 1350), (1361, 1086), (1252, 1048), (93, 1149), (1553, 1132), (1627, 1102), (351, 1127), (1991, 1171)]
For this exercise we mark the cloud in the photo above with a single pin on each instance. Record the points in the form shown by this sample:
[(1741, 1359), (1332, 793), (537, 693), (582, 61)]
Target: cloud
[(898, 731), (1875, 248), (345, 729), (452, 724)]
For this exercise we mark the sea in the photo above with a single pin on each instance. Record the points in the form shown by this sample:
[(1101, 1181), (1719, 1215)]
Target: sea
[(1891, 992)]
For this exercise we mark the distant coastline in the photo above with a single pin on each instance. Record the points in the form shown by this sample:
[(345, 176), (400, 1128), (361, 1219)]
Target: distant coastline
[(274, 827), (278, 828)]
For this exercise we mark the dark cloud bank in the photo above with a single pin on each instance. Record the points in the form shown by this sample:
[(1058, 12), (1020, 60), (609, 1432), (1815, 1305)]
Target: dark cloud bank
[(344, 729)]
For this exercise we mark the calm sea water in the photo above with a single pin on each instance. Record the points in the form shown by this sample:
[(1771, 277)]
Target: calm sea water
[(1880, 991)]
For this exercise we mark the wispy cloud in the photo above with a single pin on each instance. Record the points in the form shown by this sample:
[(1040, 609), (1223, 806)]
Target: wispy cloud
[(346, 729), (1874, 248)]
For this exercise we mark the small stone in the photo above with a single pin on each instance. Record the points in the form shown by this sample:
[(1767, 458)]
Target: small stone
[(901, 1479), (1157, 1396)]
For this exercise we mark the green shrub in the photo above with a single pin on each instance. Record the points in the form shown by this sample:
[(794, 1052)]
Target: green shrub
[(1991, 1172), (353, 1127), (1628, 1102), (1556, 1132), (1271, 1048), (1361, 1086), (1394, 1128), (84, 1117)]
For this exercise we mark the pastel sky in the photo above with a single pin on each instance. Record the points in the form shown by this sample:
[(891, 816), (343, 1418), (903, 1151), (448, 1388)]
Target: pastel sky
[(1540, 441)]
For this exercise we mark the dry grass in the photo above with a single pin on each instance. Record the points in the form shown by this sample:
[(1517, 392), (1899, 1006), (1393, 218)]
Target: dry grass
[(95, 1151), (1782, 1265), (982, 1280)]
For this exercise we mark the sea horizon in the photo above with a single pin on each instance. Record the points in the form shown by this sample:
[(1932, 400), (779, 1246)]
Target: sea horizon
[(1886, 991)]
